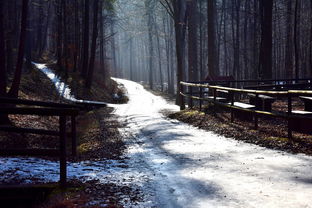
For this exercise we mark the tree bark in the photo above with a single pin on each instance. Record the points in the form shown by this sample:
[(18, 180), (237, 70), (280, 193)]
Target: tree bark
[(192, 40), (19, 66), (213, 68), (93, 44), (3, 73), (85, 50), (265, 59), (150, 43), (289, 45), (180, 17), (296, 42)]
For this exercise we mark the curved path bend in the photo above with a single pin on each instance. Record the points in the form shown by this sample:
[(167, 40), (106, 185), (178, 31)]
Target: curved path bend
[(188, 167)]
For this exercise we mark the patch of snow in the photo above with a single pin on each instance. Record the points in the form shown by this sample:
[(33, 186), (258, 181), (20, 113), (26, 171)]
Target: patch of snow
[(189, 167), (62, 88), (177, 165)]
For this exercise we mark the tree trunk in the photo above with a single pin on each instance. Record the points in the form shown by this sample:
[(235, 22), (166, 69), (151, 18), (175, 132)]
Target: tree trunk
[(65, 40), (236, 40), (131, 58), (93, 44), (265, 59), (180, 17), (85, 50), (28, 44), (59, 34), (159, 59), (289, 45), (3, 73), (77, 40), (45, 36), (296, 42), (192, 43), (192, 40), (3, 117), (19, 66), (310, 37), (213, 68), (150, 42)]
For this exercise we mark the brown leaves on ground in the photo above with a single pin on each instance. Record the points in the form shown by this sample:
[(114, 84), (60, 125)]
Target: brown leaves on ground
[(98, 135), (93, 194)]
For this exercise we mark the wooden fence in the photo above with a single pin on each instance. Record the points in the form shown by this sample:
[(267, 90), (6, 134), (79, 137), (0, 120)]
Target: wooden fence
[(63, 111), (212, 90)]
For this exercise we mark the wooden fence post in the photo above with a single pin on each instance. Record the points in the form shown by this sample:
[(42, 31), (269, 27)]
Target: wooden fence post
[(289, 114), (255, 115), (214, 95), (74, 136), (232, 104), (182, 103), (201, 96), (63, 172), (190, 98)]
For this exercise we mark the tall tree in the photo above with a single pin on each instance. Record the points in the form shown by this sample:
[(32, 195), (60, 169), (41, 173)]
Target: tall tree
[(213, 65), (2, 55), (93, 44), (148, 5), (289, 43), (265, 57), (192, 43), (3, 117), (180, 18), (20, 58), (296, 41), (85, 50), (192, 40)]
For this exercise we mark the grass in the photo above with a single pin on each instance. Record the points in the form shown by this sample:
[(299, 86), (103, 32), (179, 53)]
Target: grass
[(193, 113), (278, 139)]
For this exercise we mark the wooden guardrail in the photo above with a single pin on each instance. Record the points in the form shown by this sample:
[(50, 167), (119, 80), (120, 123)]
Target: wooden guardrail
[(290, 116), (257, 81), (11, 106)]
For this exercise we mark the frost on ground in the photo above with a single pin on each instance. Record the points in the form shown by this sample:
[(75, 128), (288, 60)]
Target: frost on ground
[(177, 165)]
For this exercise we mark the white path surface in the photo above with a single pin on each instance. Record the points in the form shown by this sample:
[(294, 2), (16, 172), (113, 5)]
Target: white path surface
[(177, 165), (189, 167)]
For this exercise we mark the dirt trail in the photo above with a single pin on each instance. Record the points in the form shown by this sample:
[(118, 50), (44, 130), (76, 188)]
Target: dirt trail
[(188, 167)]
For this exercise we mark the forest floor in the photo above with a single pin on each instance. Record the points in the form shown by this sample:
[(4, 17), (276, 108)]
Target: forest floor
[(97, 136)]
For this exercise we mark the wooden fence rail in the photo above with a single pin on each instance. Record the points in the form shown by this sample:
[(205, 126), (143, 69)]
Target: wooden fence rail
[(257, 81), (63, 111), (290, 116)]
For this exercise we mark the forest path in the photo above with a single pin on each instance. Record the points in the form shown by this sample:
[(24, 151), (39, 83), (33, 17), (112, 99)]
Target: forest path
[(188, 167)]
